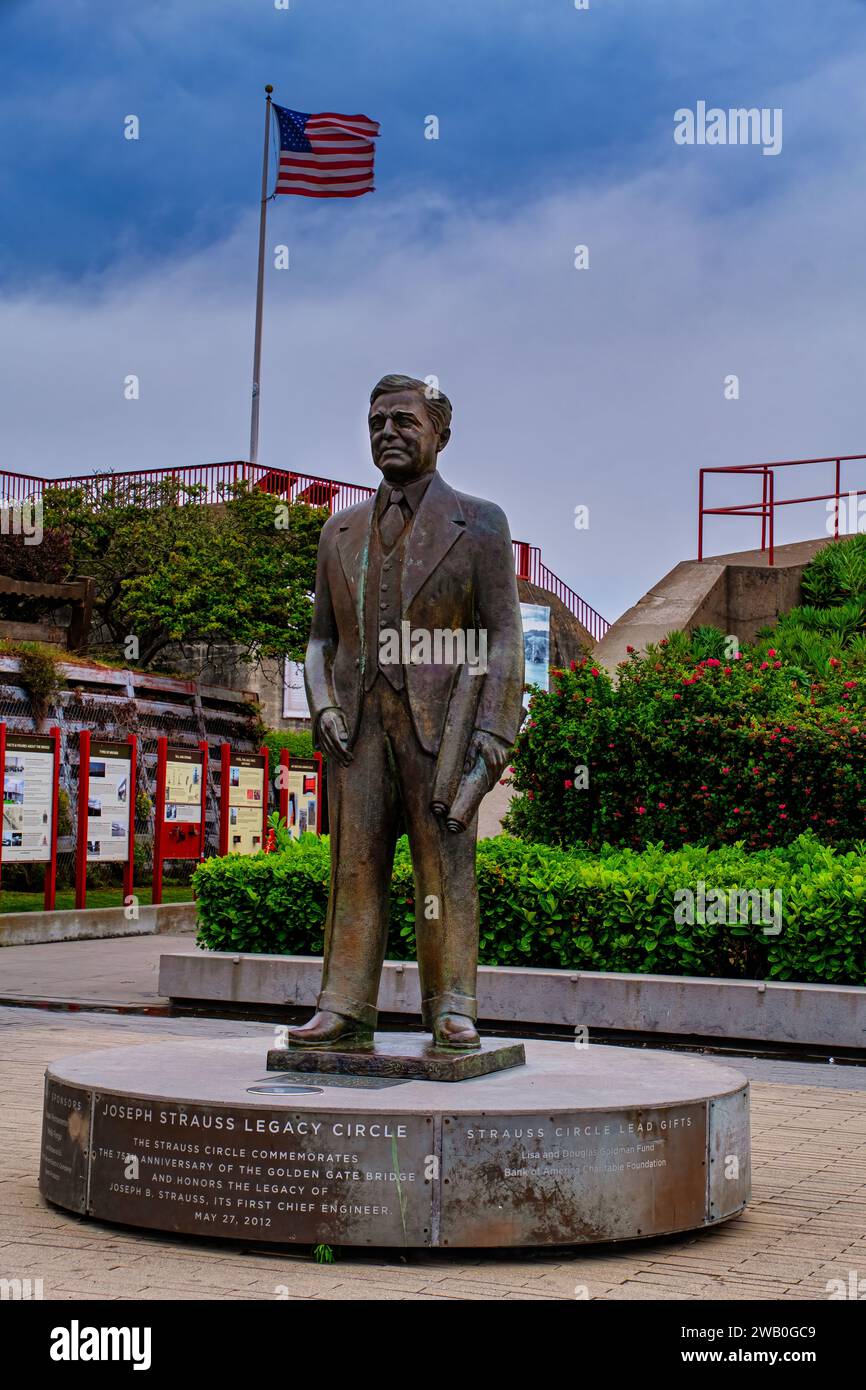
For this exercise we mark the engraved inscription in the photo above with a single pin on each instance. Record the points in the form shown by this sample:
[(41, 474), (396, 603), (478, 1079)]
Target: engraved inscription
[(273, 1174), (580, 1177), (65, 1145)]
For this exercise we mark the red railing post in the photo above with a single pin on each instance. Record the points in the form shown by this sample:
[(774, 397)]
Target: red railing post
[(51, 867), (701, 514), (83, 802), (129, 869)]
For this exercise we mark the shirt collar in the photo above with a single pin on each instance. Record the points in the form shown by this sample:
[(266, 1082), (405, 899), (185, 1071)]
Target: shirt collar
[(413, 492)]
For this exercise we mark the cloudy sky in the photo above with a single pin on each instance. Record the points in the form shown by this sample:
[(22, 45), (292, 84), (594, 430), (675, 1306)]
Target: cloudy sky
[(601, 387)]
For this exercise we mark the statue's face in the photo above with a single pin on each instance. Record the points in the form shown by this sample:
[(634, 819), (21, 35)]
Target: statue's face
[(403, 439)]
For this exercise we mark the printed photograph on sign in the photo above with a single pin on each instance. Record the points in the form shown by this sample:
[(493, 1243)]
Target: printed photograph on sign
[(536, 644)]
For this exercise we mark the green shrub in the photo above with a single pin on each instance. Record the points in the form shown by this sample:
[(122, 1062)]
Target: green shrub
[(298, 741), (836, 574), (681, 750), (608, 911)]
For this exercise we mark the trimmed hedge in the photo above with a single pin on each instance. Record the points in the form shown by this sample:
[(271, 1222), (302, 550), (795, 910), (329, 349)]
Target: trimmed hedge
[(541, 906)]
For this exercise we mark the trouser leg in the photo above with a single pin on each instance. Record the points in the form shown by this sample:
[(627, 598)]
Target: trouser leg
[(364, 812), (446, 891)]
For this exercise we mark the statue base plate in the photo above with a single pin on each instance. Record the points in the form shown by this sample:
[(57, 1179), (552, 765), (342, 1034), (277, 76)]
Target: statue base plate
[(408, 1057), (580, 1145)]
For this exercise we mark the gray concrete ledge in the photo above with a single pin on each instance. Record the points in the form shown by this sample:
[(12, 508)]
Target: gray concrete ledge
[(94, 923), (818, 1015)]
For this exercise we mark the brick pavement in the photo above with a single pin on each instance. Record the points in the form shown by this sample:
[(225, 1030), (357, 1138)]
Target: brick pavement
[(805, 1225)]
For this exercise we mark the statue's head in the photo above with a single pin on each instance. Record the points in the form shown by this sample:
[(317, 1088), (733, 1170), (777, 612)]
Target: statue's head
[(409, 423)]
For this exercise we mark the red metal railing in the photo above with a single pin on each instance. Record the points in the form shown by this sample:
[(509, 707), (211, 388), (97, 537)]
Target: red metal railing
[(530, 566), (766, 507), (209, 482)]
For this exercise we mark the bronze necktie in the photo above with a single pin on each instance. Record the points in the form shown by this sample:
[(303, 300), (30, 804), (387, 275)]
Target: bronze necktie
[(392, 520)]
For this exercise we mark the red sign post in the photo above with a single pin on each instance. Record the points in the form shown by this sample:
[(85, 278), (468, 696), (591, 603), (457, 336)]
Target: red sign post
[(106, 809), (179, 824), (31, 786), (243, 801)]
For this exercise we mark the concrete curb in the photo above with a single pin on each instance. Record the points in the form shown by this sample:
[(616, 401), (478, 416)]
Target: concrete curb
[(39, 928), (818, 1015)]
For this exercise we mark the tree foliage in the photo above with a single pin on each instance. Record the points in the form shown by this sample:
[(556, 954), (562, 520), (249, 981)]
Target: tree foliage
[(170, 569)]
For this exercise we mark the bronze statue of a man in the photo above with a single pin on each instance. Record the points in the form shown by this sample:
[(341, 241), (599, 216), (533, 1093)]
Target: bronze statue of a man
[(414, 676)]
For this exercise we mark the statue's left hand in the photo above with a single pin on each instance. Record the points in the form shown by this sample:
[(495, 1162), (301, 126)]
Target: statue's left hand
[(493, 750)]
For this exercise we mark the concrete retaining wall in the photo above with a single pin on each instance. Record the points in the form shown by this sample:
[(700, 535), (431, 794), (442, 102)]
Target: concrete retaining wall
[(738, 593), (37, 928), (820, 1015)]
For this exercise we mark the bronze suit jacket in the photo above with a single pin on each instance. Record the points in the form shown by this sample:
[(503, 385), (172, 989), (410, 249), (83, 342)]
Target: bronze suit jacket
[(458, 573)]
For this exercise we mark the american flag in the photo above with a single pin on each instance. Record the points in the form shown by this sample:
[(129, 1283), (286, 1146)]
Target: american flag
[(325, 156)]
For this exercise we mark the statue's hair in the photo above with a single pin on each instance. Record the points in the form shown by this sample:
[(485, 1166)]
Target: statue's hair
[(437, 403)]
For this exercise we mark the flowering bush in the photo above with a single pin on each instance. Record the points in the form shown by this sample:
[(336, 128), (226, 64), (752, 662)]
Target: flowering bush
[(690, 748)]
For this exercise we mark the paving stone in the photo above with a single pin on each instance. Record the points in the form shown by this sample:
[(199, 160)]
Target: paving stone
[(805, 1225)]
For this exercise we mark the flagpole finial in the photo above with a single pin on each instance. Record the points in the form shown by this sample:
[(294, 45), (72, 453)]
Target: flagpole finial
[(269, 89)]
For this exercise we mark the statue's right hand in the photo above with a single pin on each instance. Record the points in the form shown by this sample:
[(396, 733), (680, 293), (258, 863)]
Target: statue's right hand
[(334, 736)]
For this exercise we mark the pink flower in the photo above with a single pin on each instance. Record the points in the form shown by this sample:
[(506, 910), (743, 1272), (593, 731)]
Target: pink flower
[(629, 650), (641, 810), (771, 651), (567, 784), (711, 661), (594, 671)]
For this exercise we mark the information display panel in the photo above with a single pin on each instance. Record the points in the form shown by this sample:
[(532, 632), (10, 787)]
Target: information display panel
[(183, 809), (28, 795), (31, 772), (301, 793), (179, 828), (106, 808), (109, 811), (243, 801)]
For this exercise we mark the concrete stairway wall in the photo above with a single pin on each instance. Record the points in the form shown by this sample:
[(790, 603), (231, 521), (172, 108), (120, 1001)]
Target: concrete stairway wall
[(738, 593)]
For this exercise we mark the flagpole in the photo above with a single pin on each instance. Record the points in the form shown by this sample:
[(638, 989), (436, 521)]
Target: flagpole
[(260, 290)]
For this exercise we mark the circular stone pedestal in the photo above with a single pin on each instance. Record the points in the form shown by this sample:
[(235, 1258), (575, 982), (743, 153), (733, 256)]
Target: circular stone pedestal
[(582, 1144)]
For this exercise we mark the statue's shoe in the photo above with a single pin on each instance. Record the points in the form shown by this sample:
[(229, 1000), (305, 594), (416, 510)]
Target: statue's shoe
[(331, 1030), (455, 1031)]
